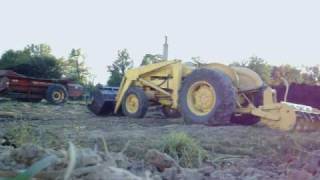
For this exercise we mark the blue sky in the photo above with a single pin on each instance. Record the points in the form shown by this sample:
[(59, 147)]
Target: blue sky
[(281, 31)]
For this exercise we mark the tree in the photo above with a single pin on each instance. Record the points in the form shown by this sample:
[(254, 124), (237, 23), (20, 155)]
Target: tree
[(259, 65), (40, 67), (119, 67), (197, 60), (290, 73), (151, 59), (13, 58), (311, 75), (34, 60), (75, 68), (39, 50)]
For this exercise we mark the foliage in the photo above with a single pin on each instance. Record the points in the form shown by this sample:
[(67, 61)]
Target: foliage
[(151, 59), (119, 67), (258, 65), (41, 67), (34, 60), (273, 74), (184, 149), (74, 67), (311, 75), (22, 134), (39, 50), (290, 73), (37, 61), (197, 60), (13, 58), (89, 88)]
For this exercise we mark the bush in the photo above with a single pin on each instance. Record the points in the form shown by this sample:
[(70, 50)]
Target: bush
[(35, 61), (40, 67), (22, 134), (184, 149)]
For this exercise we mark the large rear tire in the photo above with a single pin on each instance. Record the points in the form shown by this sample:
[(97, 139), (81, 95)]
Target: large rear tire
[(135, 103), (56, 94), (207, 97)]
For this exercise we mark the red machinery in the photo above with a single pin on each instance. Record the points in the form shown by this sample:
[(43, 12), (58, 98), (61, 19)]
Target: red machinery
[(25, 88)]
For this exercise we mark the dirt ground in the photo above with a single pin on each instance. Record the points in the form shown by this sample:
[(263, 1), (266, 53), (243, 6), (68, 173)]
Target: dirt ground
[(234, 152)]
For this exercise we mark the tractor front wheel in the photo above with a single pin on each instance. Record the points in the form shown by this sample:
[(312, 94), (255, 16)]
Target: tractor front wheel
[(135, 103), (56, 94)]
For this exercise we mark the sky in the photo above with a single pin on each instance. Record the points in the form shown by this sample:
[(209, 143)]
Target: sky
[(280, 31)]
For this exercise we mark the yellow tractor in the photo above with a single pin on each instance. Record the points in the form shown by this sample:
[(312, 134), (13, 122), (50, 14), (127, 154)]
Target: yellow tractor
[(212, 94)]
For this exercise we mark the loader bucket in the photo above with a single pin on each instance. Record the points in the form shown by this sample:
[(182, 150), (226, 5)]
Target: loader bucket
[(103, 102)]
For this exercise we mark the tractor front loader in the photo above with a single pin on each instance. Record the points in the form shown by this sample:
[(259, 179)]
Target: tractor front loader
[(212, 94)]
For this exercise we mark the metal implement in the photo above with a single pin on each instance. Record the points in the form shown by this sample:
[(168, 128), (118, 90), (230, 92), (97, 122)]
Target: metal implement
[(103, 100), (30, 89), (307, 118), (210, 94)]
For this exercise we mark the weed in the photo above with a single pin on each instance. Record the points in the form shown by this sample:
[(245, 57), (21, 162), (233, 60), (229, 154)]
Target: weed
[(184, 149), (22, 133)]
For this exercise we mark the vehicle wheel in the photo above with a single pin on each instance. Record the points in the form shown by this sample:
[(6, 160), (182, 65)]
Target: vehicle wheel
[(207, 97), (56, 94), (170, 113), (135, 103)]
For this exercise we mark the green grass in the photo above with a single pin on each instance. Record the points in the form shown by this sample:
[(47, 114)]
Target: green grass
[(22, 133), (184, 149)]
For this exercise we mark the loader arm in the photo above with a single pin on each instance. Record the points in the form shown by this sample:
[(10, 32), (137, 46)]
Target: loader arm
[(134, 75)]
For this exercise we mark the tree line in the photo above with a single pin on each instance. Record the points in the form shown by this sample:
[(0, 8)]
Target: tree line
[(38, 61), (270, 74)]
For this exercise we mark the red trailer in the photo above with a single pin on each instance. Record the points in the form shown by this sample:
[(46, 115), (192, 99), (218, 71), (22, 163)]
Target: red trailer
[(25, 88)]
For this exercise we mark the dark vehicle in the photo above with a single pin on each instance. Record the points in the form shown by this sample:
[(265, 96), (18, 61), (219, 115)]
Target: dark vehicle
[(23, 88), (300, 94), (103, 100)]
